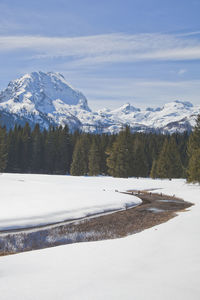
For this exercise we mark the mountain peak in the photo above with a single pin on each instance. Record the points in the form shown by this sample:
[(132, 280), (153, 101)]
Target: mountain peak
[(178, 104), (47, 99), (127, 108), (43, 88)]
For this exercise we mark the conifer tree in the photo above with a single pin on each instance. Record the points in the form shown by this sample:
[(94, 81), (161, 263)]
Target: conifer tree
[(26, 149), (193, 171), (169, 163), (3, 150), (37, 150), (194, 167), (15, 150), (65, 148), (102, 145), (60, 150), (120, 157), (51, 151), (139, 162), (79, 164), (161, 166), (153, 146), (94, 159), (12, 153), (182, 142)]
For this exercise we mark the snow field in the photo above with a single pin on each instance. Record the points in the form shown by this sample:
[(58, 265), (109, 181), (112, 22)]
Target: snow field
[(30, 200), (162, 262)]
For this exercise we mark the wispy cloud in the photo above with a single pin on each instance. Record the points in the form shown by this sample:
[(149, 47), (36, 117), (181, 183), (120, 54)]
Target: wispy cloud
[(108, 48)]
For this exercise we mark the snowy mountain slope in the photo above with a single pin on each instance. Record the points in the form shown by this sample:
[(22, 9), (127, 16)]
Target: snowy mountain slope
[(47, 99), (43, 98)]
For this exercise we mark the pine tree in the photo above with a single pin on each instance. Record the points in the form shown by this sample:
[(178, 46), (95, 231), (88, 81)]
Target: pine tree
[(61, 150), (194, 167), (193, 171), (65, 148), (120, 157), (182, 141), (140, 166), (51, 151), (153, 146), (26, 148), (103, 144), (94, 159), (15, 150), (37, 161), (3, 150), (169, 163), (12, 153), (79, 164)]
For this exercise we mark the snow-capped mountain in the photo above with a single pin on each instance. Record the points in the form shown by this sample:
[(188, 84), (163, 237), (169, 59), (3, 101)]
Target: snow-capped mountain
[(47, 99)]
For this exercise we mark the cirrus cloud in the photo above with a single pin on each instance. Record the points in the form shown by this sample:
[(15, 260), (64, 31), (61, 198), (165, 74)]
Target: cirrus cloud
[(107, 48)]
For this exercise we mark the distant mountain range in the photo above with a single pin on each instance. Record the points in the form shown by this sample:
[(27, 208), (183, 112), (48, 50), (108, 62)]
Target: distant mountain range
[(47, 99)]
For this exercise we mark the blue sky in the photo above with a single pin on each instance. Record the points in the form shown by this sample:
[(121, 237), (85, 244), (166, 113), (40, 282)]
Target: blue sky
[(145, 52)]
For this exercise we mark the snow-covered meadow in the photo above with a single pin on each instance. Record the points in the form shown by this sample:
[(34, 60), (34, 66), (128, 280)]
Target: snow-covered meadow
[(159, 263), (30, 200)]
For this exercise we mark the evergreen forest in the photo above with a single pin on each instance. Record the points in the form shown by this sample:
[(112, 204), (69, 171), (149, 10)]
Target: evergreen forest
[(58, 151)]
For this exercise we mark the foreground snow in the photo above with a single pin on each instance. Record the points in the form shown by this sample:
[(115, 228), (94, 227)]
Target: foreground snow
[(29, 200), (159, 263)]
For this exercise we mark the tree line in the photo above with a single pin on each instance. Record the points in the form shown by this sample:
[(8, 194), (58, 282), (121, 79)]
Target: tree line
[(57, 151)]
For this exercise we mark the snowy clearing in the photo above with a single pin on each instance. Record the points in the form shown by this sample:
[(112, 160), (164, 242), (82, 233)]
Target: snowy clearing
[(159, 263), (32, 200)]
